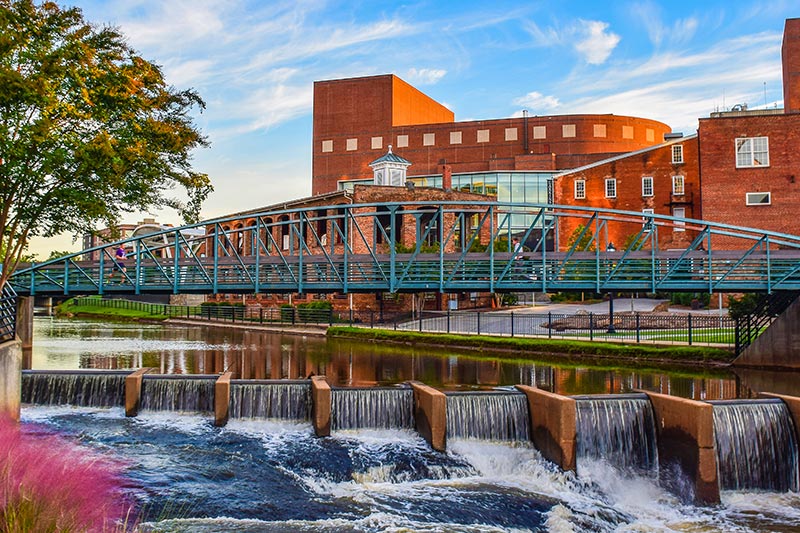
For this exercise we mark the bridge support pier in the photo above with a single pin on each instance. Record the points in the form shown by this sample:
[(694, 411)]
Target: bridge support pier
[(779, 345), (10, 378), (553, 426), (686, 446), (25, 321)]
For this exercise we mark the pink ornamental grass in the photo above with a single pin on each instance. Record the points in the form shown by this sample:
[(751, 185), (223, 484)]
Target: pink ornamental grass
[(52, 485)]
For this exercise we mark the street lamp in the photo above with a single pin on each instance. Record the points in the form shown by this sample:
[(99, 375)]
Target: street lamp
[(610, 248)]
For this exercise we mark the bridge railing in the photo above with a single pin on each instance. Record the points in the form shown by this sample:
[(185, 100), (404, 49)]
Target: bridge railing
[(8, 314)]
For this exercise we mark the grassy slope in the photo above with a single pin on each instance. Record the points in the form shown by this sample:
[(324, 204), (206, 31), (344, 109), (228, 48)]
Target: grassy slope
[(641, 353), (68, 308)]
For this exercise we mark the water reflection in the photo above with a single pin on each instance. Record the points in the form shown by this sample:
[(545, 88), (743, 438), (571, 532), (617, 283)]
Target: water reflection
[(84, 344)]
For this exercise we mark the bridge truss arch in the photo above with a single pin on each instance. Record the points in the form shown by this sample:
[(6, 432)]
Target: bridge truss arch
[(432, 246)]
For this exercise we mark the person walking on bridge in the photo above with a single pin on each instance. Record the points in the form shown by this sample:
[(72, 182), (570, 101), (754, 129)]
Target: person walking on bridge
[(119, 264)]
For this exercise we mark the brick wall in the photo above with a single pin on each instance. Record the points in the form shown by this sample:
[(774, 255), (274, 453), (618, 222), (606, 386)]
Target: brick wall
[(628, 172), (355, 120), (724, 186)]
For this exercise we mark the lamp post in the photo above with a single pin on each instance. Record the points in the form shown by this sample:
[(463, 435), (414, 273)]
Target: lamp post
[(610, 248)]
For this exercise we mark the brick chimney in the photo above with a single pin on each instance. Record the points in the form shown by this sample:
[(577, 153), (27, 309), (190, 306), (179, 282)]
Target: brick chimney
[(447, 177), (790, 57)]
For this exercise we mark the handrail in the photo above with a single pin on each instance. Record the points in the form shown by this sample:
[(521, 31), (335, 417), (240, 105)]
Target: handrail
[(8, 314)]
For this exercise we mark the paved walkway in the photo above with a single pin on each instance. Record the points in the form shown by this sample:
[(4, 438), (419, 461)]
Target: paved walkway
[(621, 305)]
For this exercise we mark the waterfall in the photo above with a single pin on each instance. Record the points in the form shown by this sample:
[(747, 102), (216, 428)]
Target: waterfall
[(499, 416), (270, 399), (618, 429), (79, 388), (756, 445), (384, 408), (178, 393)]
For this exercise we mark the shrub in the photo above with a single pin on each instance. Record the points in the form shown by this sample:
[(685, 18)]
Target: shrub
[(49, 484)]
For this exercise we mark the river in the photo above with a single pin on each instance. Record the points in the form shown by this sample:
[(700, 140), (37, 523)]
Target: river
[(262, 475)]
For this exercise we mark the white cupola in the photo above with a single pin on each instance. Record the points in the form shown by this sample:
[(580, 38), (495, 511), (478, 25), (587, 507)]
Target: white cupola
[(390, 169)]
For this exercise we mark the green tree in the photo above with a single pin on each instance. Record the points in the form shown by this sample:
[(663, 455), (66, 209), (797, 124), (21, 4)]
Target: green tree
[(89, 130), (582, 243)]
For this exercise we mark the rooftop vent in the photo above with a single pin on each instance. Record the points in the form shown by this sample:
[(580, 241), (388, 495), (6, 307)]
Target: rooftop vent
[(674, 135)]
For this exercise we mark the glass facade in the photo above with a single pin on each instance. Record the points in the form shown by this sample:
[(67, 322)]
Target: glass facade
[(509, 187)]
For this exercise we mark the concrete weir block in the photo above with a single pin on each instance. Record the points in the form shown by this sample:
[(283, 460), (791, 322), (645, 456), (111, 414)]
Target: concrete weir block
[(321, 406), (10, 378), (686, 447), (792, 403), (222, 398), (553, 425), (133, 391), (430, 414)]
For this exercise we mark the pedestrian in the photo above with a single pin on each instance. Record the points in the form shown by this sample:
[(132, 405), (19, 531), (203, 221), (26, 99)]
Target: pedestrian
[(119, 264)]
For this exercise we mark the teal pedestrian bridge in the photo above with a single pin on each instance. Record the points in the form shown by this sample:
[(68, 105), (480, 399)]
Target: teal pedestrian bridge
[(441, 247)]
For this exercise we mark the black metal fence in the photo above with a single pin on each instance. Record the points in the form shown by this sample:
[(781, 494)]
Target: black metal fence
[(691, 329), (8, 314)]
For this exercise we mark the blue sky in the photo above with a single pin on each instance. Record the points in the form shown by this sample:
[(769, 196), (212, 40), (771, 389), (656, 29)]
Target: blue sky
[(254, 63)]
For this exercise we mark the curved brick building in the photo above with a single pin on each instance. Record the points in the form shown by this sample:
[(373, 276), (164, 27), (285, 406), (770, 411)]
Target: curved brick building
[(356, 119)]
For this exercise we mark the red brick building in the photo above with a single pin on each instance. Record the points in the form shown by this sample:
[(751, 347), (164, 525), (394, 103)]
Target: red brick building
[(750, 159), (356, 119), (661, 180)]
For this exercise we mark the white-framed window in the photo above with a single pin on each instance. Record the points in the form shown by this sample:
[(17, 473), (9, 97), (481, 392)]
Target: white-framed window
[(679, 212), (677, 153), (376, 143), (580, 189), (647, 186), (540, 132), (402, 141), (648, 221), (351, 145), (752, 152), (428, 139), (758, 198), (327, 146), (611, 188), (511, 134), (678, 186), (455, 137), (483, 136), (568, 130)]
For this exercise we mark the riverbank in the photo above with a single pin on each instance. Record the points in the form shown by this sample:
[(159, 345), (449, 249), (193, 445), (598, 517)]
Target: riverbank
[(69, 309), (549, 349), (522, 348)]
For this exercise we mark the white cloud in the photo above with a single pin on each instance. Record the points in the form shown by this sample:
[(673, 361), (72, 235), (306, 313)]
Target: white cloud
[(651, 15), (537, 101), (424, 76), (590, 38), (596, 43)]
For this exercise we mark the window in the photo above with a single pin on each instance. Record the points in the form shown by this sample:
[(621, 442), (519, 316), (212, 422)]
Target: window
[(540, 132), (377, 143), (677, 153), (402, 141), (752, 152), (611, 188), (327, 146), (455, 137), (428, 139), (647, 186), (483, 136), (759, 198), (679, 212), (599, 130), (511, 134), (648, 221), (568, 130), (580, 189), (351, 145), (678, 188)]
